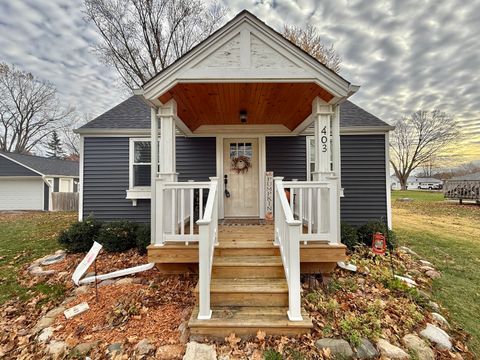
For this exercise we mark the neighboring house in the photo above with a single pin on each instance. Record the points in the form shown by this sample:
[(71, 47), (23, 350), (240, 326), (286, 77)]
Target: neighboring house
[(241, 116), (27, 181), (466, 187), (414, 183)]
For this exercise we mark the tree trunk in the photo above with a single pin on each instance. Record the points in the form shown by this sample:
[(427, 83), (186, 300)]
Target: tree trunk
[(403, 184)]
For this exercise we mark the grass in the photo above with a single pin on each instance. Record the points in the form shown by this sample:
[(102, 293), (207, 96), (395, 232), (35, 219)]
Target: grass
[(23, 238), (448, 235)]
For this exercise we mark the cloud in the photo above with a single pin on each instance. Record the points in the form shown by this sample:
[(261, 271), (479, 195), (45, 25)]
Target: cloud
[(405, 54)]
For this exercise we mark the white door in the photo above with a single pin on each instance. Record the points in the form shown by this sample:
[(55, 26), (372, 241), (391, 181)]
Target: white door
[(240, 168), (66, 185), (21, 194)]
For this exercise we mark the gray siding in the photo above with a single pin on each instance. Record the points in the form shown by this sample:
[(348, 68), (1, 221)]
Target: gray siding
[(106, 175), (56, 184), (10, 168), (287, 157), (46, 197), (363, 178)]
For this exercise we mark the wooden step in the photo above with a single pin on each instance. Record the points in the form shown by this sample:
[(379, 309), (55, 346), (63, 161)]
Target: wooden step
[(247, 321), (246, 248), (248, 292), (247, 267)]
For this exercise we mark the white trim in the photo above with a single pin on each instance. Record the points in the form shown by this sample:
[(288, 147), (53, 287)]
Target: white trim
[(244, 129), (131, 152), (387, 181), (81, 177), (19, 163), (112, 131)]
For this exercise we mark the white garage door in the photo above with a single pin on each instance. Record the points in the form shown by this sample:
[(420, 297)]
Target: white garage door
[(21, 194)]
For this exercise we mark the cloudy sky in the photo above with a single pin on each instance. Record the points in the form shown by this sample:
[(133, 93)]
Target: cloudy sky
[(405, 54)]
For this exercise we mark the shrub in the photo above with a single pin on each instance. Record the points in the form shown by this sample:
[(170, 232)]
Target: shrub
[(142, 238), (349, 236), (365, 233), (271, 354), (79, 236), (117, 236)]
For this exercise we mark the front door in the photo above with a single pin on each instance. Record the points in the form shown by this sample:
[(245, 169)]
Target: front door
[(240, 168)]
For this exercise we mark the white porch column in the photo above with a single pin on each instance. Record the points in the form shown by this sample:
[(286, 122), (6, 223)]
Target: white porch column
[(154, 173), (322, 114), (167, 173)]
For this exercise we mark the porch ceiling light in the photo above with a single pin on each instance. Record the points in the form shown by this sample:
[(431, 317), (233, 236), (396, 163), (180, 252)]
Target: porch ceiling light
[(243, 116)]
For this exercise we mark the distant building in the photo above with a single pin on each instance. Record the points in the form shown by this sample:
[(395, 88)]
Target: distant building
[(415, 183)]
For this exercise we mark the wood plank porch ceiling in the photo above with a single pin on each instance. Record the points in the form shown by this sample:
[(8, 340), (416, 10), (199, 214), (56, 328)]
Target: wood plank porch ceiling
[(265, 103)]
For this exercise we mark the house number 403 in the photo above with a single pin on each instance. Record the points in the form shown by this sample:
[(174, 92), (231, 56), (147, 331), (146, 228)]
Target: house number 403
[(324, 139)]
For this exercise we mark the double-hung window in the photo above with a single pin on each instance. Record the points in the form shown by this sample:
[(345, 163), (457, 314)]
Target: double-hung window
[(140, 162)]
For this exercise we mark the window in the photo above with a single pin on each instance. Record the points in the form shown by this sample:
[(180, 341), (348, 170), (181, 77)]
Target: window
[(140, 160), (311, 156)]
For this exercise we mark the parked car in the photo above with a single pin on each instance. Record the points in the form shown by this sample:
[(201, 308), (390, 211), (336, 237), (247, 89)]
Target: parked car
[(429, 186)]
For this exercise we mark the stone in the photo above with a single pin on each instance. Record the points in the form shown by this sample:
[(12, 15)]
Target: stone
[(115, 348), (106, 282), (427, 268), (406, 199), (338, 347), (56, 348), (60, 252), (42, 324), (55, 312), (144, 347), (52, 259), (84, 348), (82, 290), (425, 263), (89, 274), (432, 274), (434, 306), (125, 281), (391, 351), (419, 347), (38, 271), (406, 280), (68, 300), (440, 319), (45, 334), (424, 294), (366, 350), (184, 332), (196, 351), (437, 336), (408, 250), (170, 352)]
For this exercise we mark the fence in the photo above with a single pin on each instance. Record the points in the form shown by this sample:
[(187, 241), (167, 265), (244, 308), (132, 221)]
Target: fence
[(64, 201)]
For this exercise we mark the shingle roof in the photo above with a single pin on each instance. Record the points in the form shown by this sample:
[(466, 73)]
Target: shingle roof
[(45, 166), (134, 113), (474, 176)]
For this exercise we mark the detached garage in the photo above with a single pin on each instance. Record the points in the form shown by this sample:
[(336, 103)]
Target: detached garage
[(27, 181)]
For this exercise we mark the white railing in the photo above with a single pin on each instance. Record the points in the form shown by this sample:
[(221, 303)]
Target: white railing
[(287, 237), (315, 205), (179, 205), (208, 231)]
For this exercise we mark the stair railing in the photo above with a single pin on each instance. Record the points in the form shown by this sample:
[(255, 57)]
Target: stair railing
[(287, 237), (208, 239)]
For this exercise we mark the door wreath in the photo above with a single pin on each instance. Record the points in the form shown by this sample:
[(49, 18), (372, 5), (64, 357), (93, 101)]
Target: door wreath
[(241, 164)]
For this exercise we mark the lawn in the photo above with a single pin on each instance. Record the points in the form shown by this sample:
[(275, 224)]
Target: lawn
[(448, 235), (24, 237)]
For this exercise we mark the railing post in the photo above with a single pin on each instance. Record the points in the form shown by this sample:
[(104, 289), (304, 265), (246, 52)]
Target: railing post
[(294, 287), (333, 199), (277, 180), (159, 240), (204, 311)]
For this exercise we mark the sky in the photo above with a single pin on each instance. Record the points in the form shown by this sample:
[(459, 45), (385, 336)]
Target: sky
[(406, 55)]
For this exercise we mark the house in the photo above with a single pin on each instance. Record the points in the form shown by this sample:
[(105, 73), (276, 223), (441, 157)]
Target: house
[(465, 187), (27, 181), (414, 183), (244, 129)]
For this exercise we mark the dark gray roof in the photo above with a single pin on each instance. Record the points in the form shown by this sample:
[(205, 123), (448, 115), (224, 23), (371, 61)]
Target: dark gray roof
[(134, 113), (474, 176), (45, 166)]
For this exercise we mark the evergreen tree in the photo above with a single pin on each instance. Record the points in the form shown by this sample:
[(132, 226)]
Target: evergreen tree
[(55, 149)]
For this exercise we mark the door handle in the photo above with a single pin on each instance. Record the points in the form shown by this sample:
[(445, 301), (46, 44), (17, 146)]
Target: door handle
[(225, 181)]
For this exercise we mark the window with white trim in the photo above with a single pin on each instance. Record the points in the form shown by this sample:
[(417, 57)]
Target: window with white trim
[(311, 156), (140, 162)]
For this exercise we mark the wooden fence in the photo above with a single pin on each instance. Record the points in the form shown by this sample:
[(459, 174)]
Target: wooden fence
[(64, 201), (462, 190)]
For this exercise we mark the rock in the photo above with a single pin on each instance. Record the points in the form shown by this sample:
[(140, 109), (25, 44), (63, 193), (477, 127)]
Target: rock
[(427, 268), (42, 324), (406, 280), (38, 271), (196, 351), (63, 274), (418, 347), (437, 336), (82, 290), (56, 348), (184, 332), (125, 281), (144, 347), (84, 348), (424, 294), (52, 259), (432, 274), (60, 252), (440, 319), (170, 352), (366, 350), (45, 334), (106, 282), (425, 263), (338, 347), (68, 300), (434, 306), (115, 348), (391, 351), (89, 274), (55, 312), (406, 199), (408, 250)]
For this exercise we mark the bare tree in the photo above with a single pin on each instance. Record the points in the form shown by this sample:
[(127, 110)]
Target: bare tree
[(71, 140), (29, 110), (308, 39), (143, 37), (418, 138)]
